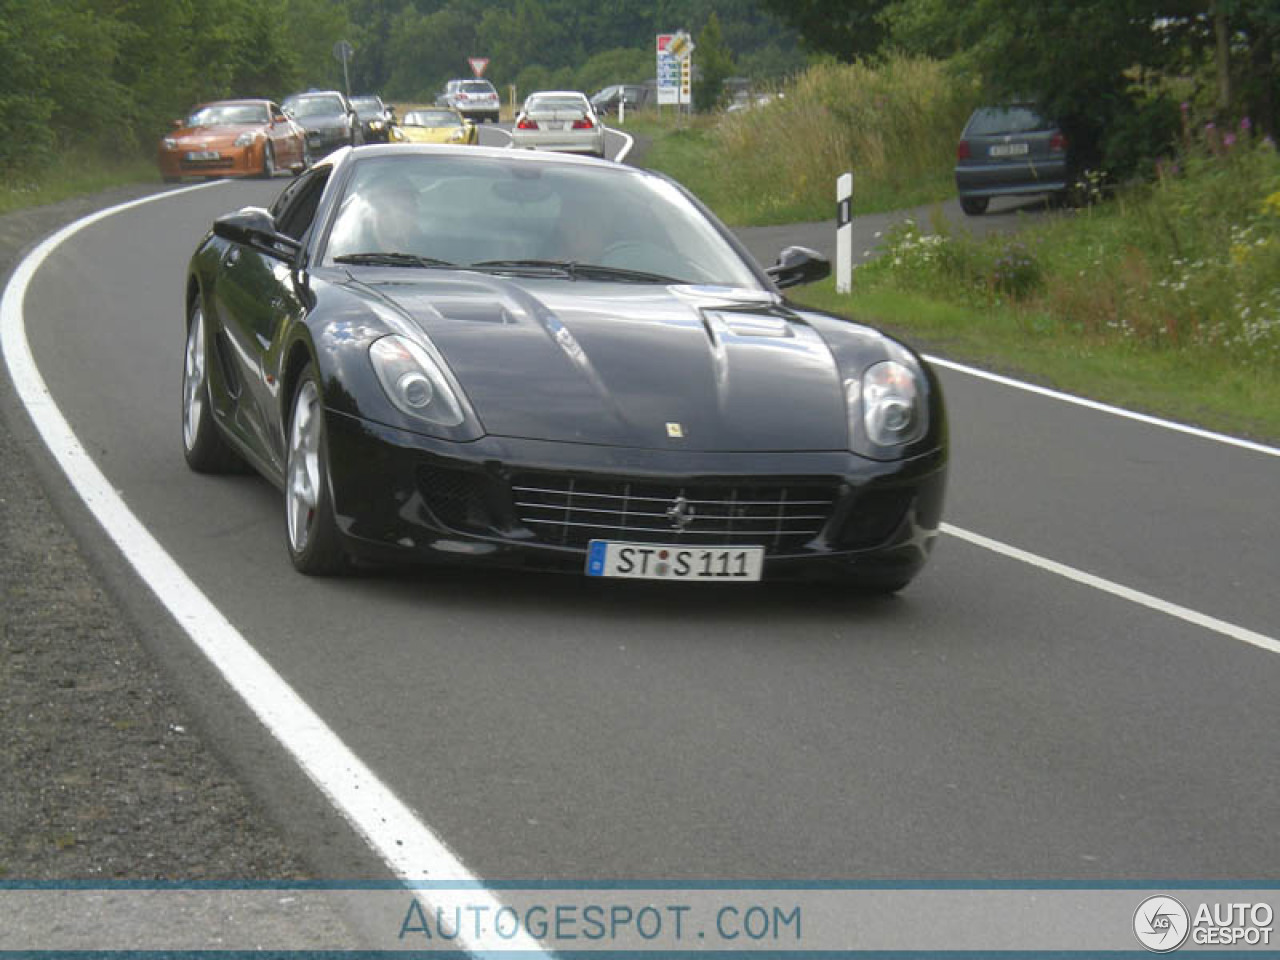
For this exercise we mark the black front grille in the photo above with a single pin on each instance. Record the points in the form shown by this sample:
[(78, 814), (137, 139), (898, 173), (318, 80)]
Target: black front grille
[(456, 497), (781, 515)]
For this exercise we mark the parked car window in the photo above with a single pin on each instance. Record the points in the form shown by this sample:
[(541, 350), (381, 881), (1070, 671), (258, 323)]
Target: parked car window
[(994, 121)]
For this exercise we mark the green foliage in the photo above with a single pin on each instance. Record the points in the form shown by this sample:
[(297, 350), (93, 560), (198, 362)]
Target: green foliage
[(844, 28), (1190, 263), (715, 65)]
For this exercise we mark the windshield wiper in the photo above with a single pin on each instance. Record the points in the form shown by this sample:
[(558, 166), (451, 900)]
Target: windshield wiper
[(537, 268), (573, 269), (391, 260), (598, 272)]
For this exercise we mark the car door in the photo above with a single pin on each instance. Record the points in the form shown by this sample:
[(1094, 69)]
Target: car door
[(258, 299), (284, 140)]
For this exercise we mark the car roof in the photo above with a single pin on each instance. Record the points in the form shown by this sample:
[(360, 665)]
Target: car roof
[(248, 102), (346, 155)]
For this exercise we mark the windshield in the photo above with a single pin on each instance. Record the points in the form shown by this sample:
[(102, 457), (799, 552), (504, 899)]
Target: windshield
[(477, 88), (994, 121), (368, 106), (317, 106), (431, 118), (477, 210), (546, 103), (228, 114)]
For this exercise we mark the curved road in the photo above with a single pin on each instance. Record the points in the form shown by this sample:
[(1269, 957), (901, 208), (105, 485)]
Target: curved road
[(997, 720)]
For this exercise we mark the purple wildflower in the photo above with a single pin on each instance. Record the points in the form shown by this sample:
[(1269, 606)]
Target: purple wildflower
[(1246, 125), (1229, 140)]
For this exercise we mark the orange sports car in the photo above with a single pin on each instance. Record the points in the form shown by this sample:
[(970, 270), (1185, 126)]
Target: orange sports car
[(233, 138)]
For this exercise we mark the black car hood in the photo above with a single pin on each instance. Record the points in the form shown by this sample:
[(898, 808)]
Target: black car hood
[(637, 365)]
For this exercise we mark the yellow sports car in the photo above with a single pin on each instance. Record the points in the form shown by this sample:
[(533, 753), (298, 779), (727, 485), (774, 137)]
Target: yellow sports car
[(434, 125)]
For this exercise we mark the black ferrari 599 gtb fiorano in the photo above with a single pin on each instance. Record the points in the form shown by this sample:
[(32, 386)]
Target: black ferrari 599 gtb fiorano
[(474, 355)]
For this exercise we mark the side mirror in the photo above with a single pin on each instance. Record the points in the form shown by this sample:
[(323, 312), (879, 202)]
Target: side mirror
[(797, 265), (253, 227), (177, 124)]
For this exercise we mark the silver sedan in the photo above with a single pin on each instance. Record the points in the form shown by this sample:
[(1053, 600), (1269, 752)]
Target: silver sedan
[(561, 120)]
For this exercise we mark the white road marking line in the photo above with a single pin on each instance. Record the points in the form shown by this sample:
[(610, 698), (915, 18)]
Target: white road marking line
[(1270, 644), (1105, 407), (411, 849), (631, 142)]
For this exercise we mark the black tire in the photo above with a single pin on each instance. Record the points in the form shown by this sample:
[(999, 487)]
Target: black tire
[(203, 446), (974, 206), (268, 161), (311, 533)]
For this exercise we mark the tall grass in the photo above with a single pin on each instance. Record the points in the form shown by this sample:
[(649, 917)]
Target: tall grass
[(1189, 263), (892, 123), (73, 173)]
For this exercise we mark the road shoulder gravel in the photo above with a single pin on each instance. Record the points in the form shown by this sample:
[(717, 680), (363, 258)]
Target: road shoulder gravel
[(107, 773)]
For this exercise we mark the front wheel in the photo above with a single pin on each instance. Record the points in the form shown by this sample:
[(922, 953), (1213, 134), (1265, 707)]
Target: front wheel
[(314, 544), (974, 206)]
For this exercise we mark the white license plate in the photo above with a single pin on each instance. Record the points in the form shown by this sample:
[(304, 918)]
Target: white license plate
[(1007, 150), (656, 561), (204, 155)]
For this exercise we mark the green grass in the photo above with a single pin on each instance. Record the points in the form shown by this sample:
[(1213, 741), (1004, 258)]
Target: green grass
[(71, 175), (1178, 384)]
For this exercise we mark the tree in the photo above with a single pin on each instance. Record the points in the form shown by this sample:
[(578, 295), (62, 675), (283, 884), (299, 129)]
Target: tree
[(715, 65), (845, 29)]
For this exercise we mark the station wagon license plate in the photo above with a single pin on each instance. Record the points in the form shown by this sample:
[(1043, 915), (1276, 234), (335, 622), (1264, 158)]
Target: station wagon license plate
[(656, 561), (1008, 150), (197, 155)]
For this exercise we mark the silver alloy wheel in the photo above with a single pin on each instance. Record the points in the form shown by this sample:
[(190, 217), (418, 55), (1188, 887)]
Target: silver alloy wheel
[(194, 391), (268, 161), (302, 480)]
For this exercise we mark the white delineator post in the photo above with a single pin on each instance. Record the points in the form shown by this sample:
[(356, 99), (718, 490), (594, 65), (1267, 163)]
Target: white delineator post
[(844, 233)]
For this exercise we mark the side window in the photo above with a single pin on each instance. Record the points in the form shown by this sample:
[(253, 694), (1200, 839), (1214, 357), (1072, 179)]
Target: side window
[(296, 207)]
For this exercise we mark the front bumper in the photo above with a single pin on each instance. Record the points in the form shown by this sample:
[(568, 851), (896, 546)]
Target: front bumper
[(401, 496), (322, 142), (229, 162)]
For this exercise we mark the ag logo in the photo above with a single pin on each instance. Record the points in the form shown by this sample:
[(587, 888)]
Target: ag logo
[(1161, 924)]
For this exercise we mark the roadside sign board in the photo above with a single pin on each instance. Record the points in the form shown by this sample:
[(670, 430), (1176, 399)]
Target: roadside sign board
[(478, 64), (668, 71)]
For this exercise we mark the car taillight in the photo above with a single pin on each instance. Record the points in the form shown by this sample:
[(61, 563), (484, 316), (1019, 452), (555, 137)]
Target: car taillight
[(526, 124), (583, 124), (962, 151), (1058, 142)]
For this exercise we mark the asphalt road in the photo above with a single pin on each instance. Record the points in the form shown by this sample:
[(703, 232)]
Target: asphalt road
[(994, 721)]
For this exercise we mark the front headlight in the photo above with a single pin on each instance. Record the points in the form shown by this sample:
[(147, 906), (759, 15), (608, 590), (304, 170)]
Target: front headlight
[(245, 139), (375, 125), (892, 404), (413, 382), (170, 143), (458, 135)]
